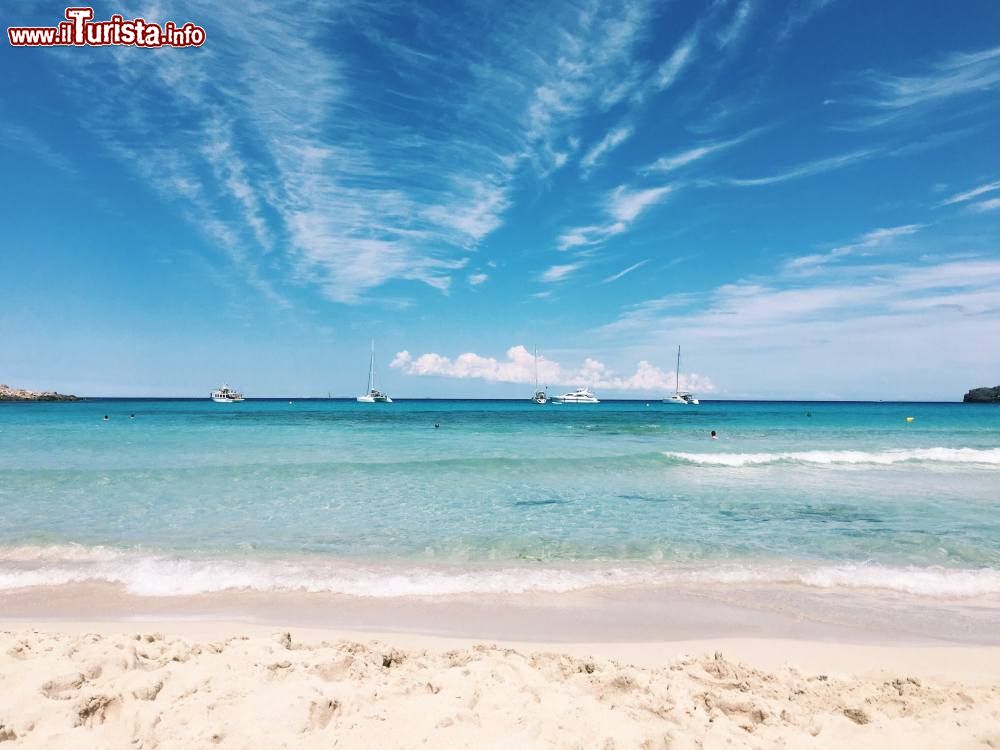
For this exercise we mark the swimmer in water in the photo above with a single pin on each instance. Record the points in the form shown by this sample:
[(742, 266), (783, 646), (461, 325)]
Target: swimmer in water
[(131, 416), (714, 436), (105, 417), (437, 425)]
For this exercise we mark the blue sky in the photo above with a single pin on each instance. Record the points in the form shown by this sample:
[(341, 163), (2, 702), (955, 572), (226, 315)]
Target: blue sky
[(805, 196)]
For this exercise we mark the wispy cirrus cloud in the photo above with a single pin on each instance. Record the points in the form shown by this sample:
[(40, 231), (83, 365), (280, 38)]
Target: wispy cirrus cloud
[(799, 15), (697, 153), (950, 77), (872, 292), (519, 366), (864, 244), (808, 169), (291, 183), (18, 137), (887, 318), (592, 63), (970, 194), (608, 143), (475, 279), (993, 204), (953, 75), (560, 272), (623, 206), (670, 70), (737, 25), (624, 272)]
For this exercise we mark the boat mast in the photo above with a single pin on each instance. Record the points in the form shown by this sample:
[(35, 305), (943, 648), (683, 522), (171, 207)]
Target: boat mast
[(371, 369), (536, 369), (677, 376)]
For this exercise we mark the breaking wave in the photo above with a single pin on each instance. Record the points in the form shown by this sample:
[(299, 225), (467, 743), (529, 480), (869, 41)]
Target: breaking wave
[(987, 457), (160, 575)]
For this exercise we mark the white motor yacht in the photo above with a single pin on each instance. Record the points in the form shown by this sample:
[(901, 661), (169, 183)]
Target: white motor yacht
[(579, 396), (226, 395)]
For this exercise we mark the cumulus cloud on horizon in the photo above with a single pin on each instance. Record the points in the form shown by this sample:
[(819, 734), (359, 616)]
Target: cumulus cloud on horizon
[(518, 366)]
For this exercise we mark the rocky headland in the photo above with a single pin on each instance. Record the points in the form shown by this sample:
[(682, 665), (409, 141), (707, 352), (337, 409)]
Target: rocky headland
[(983, 396), (21, 394)]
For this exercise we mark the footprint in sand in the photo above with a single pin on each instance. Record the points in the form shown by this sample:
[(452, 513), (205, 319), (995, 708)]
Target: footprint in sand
[(95, 710), (57, 688), (320, 713)]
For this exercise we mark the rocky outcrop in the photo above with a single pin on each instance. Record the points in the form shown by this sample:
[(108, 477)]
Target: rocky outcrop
[(983, 396), (20, 394)]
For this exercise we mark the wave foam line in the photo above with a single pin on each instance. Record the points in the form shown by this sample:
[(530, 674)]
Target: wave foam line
[(161, 575), (989, 457)]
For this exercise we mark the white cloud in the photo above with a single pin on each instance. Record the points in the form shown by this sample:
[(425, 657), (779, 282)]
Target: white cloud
[(292, 184), (682, 159), (950, 77), (591, 56), (20, 137), (682, 56), (737, 25), (608, 143), (970, 194), (991, 205), (800, 16), (623, 206), (865, 330), (519, 367), (475, 217), (808, 169), (630, 269), (868, 241), (560, 272), (953, 75), (475, 279), (626, 205)]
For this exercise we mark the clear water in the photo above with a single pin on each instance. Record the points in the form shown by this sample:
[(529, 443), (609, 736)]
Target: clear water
[(504, 496)]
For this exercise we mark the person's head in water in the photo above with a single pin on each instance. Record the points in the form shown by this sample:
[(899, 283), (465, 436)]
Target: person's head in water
[(714, 436), (436, 425), (105, 417)]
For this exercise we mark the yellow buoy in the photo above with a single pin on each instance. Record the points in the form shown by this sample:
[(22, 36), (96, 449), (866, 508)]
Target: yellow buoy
[(909, 419)]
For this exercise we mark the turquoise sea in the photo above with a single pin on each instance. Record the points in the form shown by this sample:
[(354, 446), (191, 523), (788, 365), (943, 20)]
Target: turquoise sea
[(373, 500)]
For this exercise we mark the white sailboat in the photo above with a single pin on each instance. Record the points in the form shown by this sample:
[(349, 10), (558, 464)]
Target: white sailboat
[(540, 397), (373, 395), (680, 398)]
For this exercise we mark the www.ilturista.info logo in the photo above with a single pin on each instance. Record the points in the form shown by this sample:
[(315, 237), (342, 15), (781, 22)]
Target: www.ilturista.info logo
[(80, 30)]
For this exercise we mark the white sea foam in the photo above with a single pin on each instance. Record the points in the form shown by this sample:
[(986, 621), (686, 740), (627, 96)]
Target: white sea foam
[(160, 575), (988, 457)]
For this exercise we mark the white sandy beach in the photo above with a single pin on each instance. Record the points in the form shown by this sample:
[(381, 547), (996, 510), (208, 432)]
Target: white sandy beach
[(229, 684)]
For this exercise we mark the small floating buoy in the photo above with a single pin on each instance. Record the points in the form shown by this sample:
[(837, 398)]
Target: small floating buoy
[(910, 419)]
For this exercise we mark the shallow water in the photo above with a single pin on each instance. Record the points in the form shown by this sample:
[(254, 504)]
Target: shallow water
[(193, 496)]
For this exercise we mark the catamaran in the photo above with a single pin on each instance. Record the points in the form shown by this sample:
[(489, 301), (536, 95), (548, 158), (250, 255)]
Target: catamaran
[(681, 398), (373, 395), (226, 395), (579, 396), (540, 397)]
